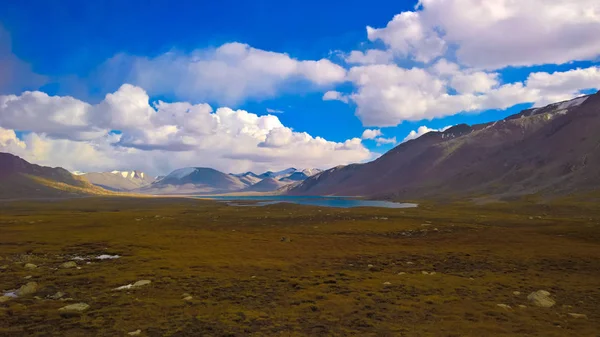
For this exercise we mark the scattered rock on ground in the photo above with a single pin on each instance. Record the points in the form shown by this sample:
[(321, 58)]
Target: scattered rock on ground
[(135, 333), (137, 284), (74, 309), (142, 283), (387, 283), (4, 299), (57, 296), (541, 298), (516, 293), (574, 315), (285, 239), (401, 273), (504, 306), (28, 289), (67, 265), (30, 266)]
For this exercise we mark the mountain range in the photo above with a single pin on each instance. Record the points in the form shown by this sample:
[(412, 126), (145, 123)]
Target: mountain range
[(552, 150), (119, 180), (202, 180), (21, 179)]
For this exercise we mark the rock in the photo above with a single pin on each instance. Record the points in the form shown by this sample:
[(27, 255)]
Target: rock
[(188, 298), (541, 298), (427, 273), (285, 239), (28, 289), (141, 283), (67, 265), (516, 293), (504, 306), (522, 306), (30, 266), (5, 299), (4, 267), (135, 333), (574, 315), (401, 273), (370, 266), (135, 285), (74, 309), (27, 277), (57, 296), (387, 283)]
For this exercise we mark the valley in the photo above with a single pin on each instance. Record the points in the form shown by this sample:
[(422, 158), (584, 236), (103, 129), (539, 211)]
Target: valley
[(205, 268)]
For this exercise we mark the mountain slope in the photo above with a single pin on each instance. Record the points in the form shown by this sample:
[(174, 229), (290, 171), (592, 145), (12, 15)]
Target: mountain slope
[(549, 150), (266, 185), (21, 179), (192, 180), (119, 180)]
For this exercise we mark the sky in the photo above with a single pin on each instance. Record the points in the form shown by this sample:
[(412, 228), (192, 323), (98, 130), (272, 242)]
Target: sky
[(265, 85)]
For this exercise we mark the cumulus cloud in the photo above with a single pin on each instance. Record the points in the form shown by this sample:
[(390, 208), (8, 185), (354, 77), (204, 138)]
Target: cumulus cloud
[(494, 34), (371, 133), (414, 134), (274, 111), (371, 56), (387, 95), (409, 35), (159, 137), (335, 96), (381, 140), (228, 74)]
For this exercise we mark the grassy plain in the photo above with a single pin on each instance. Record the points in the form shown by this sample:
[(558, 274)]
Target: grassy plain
[(290, 270)]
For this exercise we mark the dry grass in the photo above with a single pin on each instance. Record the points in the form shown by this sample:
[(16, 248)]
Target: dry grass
[(246, 281)]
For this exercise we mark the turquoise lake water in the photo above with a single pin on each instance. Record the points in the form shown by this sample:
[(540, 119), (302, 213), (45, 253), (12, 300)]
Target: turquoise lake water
[(339, 202)]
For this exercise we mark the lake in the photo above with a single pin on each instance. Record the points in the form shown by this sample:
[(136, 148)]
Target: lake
[(339, 202)]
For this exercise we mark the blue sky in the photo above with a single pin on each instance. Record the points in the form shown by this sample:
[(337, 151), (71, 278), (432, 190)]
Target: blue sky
[(87, 49)]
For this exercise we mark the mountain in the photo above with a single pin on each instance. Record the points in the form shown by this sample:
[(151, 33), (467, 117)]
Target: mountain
[(266, 185), (278, 174), (193, 180), (247, 178), (21, 179), (119, 180), (550, 150)]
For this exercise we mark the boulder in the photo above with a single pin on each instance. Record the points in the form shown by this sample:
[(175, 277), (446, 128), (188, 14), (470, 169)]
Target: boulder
[(28, 289), (541, 298), (67, 265), (74, 309)]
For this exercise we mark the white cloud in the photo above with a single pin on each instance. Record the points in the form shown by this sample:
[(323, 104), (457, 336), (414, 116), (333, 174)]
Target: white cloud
[(493, 34), (228, 74), (371, 56), (409, 36), (274, 111), (381, 140), (371, 133), (414, 134), (335, 96), (158, 138), (475, 82), (386, 95)]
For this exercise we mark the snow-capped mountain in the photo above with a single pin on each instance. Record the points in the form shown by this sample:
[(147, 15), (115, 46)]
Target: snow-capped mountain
[(119, 180), (196, 180), (202, 180)]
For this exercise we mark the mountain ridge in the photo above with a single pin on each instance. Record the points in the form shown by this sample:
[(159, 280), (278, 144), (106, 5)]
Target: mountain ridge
[(506, 158)]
